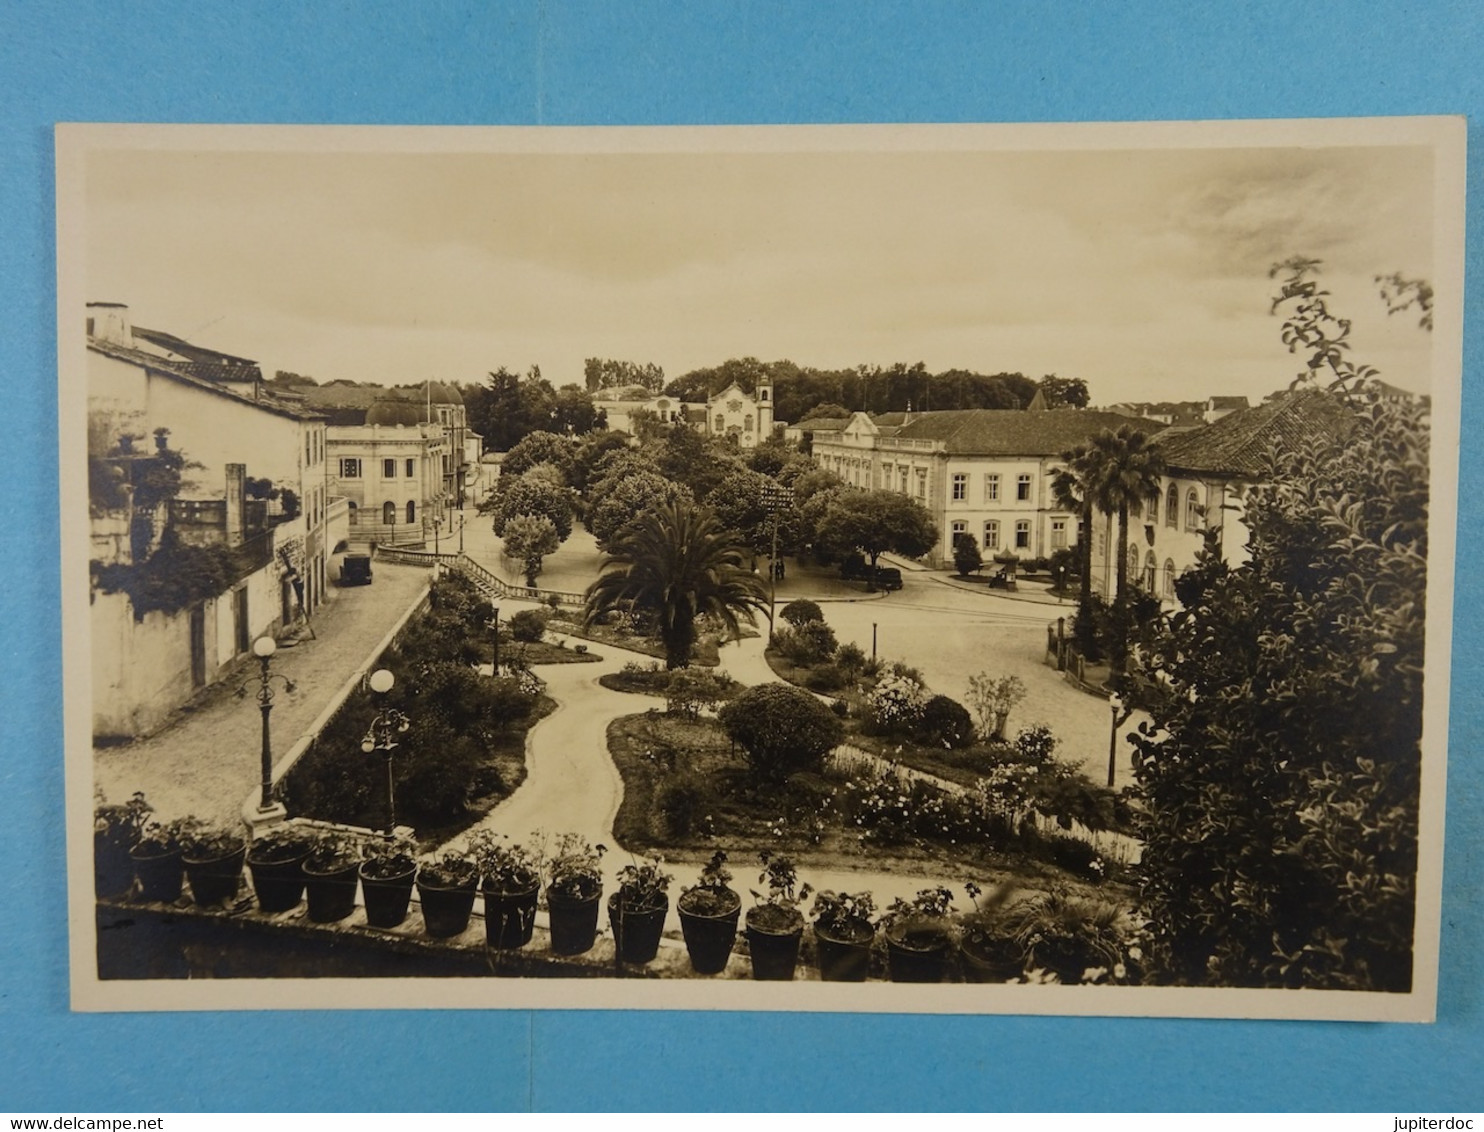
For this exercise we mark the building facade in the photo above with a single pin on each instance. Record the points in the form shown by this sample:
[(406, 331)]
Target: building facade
[(397, 473), (746, 418), (985, 473)]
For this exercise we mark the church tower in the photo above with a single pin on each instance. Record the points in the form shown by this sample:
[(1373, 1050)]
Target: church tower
[(764, 397)]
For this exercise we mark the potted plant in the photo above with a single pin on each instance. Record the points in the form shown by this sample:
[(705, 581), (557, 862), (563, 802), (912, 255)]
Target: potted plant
[(989, 949), (512, 882), (637, 911), (330, 873), (708, 916), (276, 862), (386, 880), (446, 887), (1076, 939), (156, 859), (574, 887), (116, 830), (919, 936), (843, 934), (775, 925), (212, 857)]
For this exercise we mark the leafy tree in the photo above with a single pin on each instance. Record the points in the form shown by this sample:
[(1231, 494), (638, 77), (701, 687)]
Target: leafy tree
[(686, 457), (1122, 470), (801, 611), (534, 493), (944, 723), (676, 563), (627, 498), (783, 730), (1280, 773), (588, 457), (529, 625), (605, 373), (877, 521), (291, 380), (1064, 392), (539, 448), (529, 539), (576, 414), (993, 698), (966, 555)]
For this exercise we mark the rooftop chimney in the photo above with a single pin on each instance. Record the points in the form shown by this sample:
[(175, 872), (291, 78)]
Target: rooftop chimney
[(110, 322)]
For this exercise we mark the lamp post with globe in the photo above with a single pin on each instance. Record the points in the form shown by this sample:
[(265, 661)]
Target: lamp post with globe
[(263, 648), (388, 724)]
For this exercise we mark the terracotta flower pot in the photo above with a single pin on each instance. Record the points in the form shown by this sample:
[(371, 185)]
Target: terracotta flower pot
[(710, 935), (574, 922), (159, 871), (113, 871), (446, 908), (214, 880), (843, 959), (279, 883), (990, 959), (773, 942), (636, 932), (386, 897), (331, 895), (509, 917), (917, 956)]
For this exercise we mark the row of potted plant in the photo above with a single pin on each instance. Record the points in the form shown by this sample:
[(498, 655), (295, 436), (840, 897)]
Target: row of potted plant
[(1051, 936)]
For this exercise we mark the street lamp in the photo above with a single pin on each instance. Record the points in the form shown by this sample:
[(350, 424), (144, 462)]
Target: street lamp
[(1060, 584), (1115, 701), (388, 724), (873, 642), (461, 525), (437, 524), (774, 497), (263, 648)]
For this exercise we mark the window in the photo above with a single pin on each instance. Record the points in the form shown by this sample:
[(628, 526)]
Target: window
[(1150, 568), (921, 483), (389, 469), (411, 469), (354, 510), (991, 488), (1133, 565), (762, 393), (1023, 534), (389, 513), (350, 468), (992, 535), (747, 423), (1135, 508), (411, 511), (1172, 507), (721, 424), (904, 481), (309, 447), (960, 486), (1022, 487), (1192, 510), (956, 530), (1058, 533), (1169, 577)]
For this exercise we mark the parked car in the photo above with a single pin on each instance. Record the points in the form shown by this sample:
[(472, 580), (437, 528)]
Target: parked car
[(355, 570), (856, 568), (888, 578)]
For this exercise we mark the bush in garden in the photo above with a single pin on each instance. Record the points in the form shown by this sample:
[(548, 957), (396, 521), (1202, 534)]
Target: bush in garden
[(801, 611), (811, 643), (826, 678), (690, 690), (782, 729), (680, 803), (529, 624), (992, 699), (1035, 744), (895, 705), (944, 722), (851, 659)]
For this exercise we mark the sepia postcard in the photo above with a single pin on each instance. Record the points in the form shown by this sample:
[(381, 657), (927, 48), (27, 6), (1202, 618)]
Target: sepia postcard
[(948, 569)]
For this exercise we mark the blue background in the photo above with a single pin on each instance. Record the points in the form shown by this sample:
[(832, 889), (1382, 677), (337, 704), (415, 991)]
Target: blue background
[(572, 63)]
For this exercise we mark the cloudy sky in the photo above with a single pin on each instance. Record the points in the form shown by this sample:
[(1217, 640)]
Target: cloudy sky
[(1144, 272)]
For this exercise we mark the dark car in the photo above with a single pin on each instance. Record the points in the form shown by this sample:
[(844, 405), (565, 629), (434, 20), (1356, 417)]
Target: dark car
[(888, 578), (355, 570)]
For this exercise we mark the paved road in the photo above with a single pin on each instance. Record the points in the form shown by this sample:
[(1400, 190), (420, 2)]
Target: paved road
[(205, 763)]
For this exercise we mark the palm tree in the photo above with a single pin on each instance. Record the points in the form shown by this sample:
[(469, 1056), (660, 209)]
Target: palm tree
[(1122, 469), (677, 563), (1070, 486)]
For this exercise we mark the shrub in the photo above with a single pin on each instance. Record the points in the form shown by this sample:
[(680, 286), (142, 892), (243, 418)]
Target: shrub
[(944, 723), (992, 699), (966, 556), (826, 678), (895, 704), (689, 690), (851, 658), (782, 729), (811, 643), (680, 805), (529, 625), (801, 611), (1035, 744)]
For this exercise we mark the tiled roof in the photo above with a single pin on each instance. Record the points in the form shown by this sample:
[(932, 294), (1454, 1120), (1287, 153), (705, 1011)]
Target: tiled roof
[(1015, 432), (1229, 402), (181, 371), (189, 350), (1236, 444), (823, 424)]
